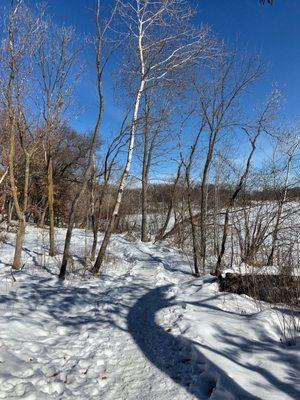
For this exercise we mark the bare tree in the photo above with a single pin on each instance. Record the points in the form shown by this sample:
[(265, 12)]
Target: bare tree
[(219, 100), (56, 57), (19, 47), (289, 143), (153, 139), (101, 62), (162, 231), (188, 179), (105, 173), (253, 132), (162, 43)]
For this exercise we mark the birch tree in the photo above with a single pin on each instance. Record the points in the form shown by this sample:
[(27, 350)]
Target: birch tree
[(161, 42)]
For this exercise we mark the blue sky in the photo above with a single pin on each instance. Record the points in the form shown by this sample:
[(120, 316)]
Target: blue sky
[(273, 31)]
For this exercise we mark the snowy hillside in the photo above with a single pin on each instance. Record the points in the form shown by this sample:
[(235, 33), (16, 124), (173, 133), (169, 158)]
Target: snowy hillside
[(148, 331)]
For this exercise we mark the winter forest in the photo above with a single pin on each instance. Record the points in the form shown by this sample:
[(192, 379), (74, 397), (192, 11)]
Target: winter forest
[(149, 200)]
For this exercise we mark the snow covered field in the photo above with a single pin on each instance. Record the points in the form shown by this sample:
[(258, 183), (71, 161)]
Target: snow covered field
[(146, 330)]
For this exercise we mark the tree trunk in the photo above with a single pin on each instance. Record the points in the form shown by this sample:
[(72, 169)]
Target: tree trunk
[(215, 218), (147, 154), (223, 244), (203, 204), (10, 213), (95, 240), (162, 231), (66, 253), (52, 251), (145, 222), (11, 156), (99, 68), (94, 216), (3, 201), (203, 225), (41, 221), (279, 213), (95, 223), (20, 214), (232, 202), (19, 244), (86, 174), (194, 231), (111, 225)]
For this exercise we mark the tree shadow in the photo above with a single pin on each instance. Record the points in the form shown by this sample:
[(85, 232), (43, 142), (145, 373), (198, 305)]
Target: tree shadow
[(78, 306), (177, 356), (71, 306), (277, 352)]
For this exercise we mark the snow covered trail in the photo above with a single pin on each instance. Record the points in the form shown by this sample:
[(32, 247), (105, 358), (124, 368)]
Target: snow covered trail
[(146, 331), (183, 362)]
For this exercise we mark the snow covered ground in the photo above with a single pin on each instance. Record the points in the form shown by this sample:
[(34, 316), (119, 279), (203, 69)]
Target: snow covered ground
[(146, 330)]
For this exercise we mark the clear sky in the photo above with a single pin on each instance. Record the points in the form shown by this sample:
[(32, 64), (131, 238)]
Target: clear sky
[(273, 31)]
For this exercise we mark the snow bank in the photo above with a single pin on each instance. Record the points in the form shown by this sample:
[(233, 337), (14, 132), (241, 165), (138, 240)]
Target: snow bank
[(146, 330)]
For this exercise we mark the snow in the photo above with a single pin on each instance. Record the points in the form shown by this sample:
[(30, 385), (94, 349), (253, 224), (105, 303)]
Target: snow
[(245, 269), (145, 330)]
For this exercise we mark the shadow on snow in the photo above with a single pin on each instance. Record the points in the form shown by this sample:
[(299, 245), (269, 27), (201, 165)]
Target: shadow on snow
[(181, 359)]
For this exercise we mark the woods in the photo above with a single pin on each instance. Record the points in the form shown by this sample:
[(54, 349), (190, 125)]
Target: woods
[(186, 104), (149, 199)]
